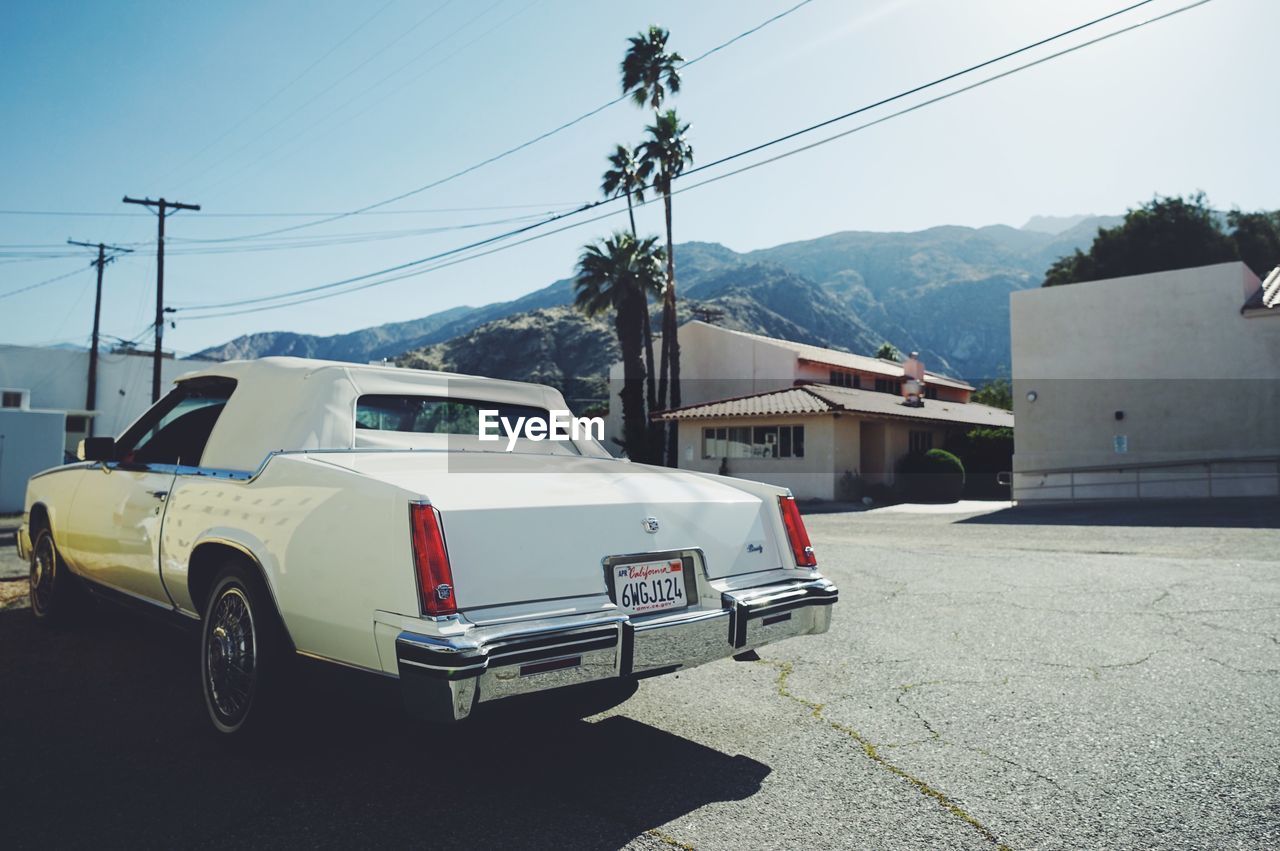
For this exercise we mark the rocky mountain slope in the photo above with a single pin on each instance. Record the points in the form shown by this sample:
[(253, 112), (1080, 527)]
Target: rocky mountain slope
[(942, 291)]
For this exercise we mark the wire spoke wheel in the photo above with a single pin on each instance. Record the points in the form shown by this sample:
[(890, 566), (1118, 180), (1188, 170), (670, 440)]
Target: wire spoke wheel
[(44, 561), (231, 656)]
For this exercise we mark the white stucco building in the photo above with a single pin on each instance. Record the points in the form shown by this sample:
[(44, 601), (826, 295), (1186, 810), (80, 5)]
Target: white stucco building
[(43, 393), (57, 380), (1159, 385)]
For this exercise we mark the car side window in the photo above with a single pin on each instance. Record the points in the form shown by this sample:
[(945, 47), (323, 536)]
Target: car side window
[(176, 430)]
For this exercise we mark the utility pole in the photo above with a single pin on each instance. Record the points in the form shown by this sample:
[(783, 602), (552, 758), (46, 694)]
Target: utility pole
[(164, 209), (91, 398)]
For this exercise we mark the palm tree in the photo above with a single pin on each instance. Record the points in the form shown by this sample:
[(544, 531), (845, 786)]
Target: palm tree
[(628, 175), (669, 152), (648, 71), (618, 274), (888, 351)]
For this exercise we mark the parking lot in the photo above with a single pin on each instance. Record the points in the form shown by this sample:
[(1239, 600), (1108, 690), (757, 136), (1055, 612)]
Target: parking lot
[(1105, 677)]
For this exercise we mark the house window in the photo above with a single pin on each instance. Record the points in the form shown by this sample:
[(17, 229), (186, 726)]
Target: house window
[(726, 442), (921, 441), (930, 392), (757, 442), (844, 379), (887, 385), (11, 399), (77, 424)]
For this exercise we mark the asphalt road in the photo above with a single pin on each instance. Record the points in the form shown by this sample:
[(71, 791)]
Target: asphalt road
[(1100, 678)]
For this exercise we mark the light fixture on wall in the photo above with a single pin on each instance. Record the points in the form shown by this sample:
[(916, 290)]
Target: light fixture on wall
[(1032, 395)]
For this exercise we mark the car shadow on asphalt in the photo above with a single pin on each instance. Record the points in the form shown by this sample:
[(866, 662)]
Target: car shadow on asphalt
[(1228, 513), (104, 742)]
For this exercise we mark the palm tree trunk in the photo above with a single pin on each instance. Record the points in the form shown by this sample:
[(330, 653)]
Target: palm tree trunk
[(669, 338), (648, 357), (635, 426), (652, 394)]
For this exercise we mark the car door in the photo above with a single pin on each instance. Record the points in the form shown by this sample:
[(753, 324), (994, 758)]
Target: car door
[(119, 506)]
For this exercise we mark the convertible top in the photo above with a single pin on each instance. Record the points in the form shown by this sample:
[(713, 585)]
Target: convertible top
[(285, 403)]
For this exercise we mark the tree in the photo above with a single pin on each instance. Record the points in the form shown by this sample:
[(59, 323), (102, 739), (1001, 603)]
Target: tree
[(1257, 239), (888, 351), (1163, 234), (649, 72), (618, 274), (998, 393), (668, 150), (628, 175)]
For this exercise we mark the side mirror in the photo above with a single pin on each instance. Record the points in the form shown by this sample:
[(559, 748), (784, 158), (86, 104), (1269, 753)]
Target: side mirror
[(98, 449)]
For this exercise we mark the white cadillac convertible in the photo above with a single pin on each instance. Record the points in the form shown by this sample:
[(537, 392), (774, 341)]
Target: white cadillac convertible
[(354, 515)]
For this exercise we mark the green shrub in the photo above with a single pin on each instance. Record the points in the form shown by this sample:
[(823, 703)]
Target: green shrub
[(985, 453), (933, 476)]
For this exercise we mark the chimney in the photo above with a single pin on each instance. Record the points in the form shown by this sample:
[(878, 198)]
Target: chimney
[(913, 381)]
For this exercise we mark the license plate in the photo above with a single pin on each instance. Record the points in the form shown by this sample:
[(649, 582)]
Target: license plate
[(652, 586)]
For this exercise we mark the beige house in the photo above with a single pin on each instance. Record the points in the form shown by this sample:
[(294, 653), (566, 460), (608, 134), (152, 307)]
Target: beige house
[(1161, 385), (802, 416), (717, 363), (810, 437)]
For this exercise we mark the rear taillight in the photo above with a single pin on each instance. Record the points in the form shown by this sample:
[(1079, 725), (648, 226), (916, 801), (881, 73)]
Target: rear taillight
[(435, 578), (796, 533)]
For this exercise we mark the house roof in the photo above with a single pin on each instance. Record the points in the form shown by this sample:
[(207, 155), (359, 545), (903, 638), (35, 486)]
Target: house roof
[(1266, 297), (847, 360), (809, 399)]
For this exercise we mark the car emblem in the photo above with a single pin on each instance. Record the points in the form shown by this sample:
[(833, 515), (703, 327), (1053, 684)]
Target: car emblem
[(755, 548), (651, 525)]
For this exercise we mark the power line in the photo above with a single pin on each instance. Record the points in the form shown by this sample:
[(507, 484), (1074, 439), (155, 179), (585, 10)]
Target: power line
[(261, 106), (45, 282), (308, 136), (939, 81), (544, 205), (403, 35), (215, 243), (517, 148), (414, 264), (744, 34), (190, 246)]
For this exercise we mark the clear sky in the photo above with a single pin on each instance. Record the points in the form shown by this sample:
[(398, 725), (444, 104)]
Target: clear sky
[(298, 107)]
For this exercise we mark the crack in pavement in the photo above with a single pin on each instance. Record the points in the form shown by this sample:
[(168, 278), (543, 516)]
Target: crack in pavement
[(1258, 671), (1094, 670), (906, 688), (872, 751)]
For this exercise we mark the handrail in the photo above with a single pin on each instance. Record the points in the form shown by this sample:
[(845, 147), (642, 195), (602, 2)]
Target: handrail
[(1206, 477), (1147, 465)]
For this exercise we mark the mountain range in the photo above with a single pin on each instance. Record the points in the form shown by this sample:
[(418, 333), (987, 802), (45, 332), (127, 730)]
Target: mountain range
[(943, 292)]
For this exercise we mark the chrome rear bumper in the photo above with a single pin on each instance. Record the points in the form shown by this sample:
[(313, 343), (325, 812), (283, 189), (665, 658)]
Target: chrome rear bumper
[(443, 678)]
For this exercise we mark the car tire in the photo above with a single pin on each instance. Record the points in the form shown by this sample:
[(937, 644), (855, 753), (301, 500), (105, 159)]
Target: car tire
[(55, 593), (244, 655)]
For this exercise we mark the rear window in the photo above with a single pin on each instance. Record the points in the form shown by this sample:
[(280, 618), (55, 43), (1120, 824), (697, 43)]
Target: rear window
[(434, 414)]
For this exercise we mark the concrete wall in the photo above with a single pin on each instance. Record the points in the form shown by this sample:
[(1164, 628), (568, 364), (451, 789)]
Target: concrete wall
[(1141, 371), (30, 441), (58, 379)]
